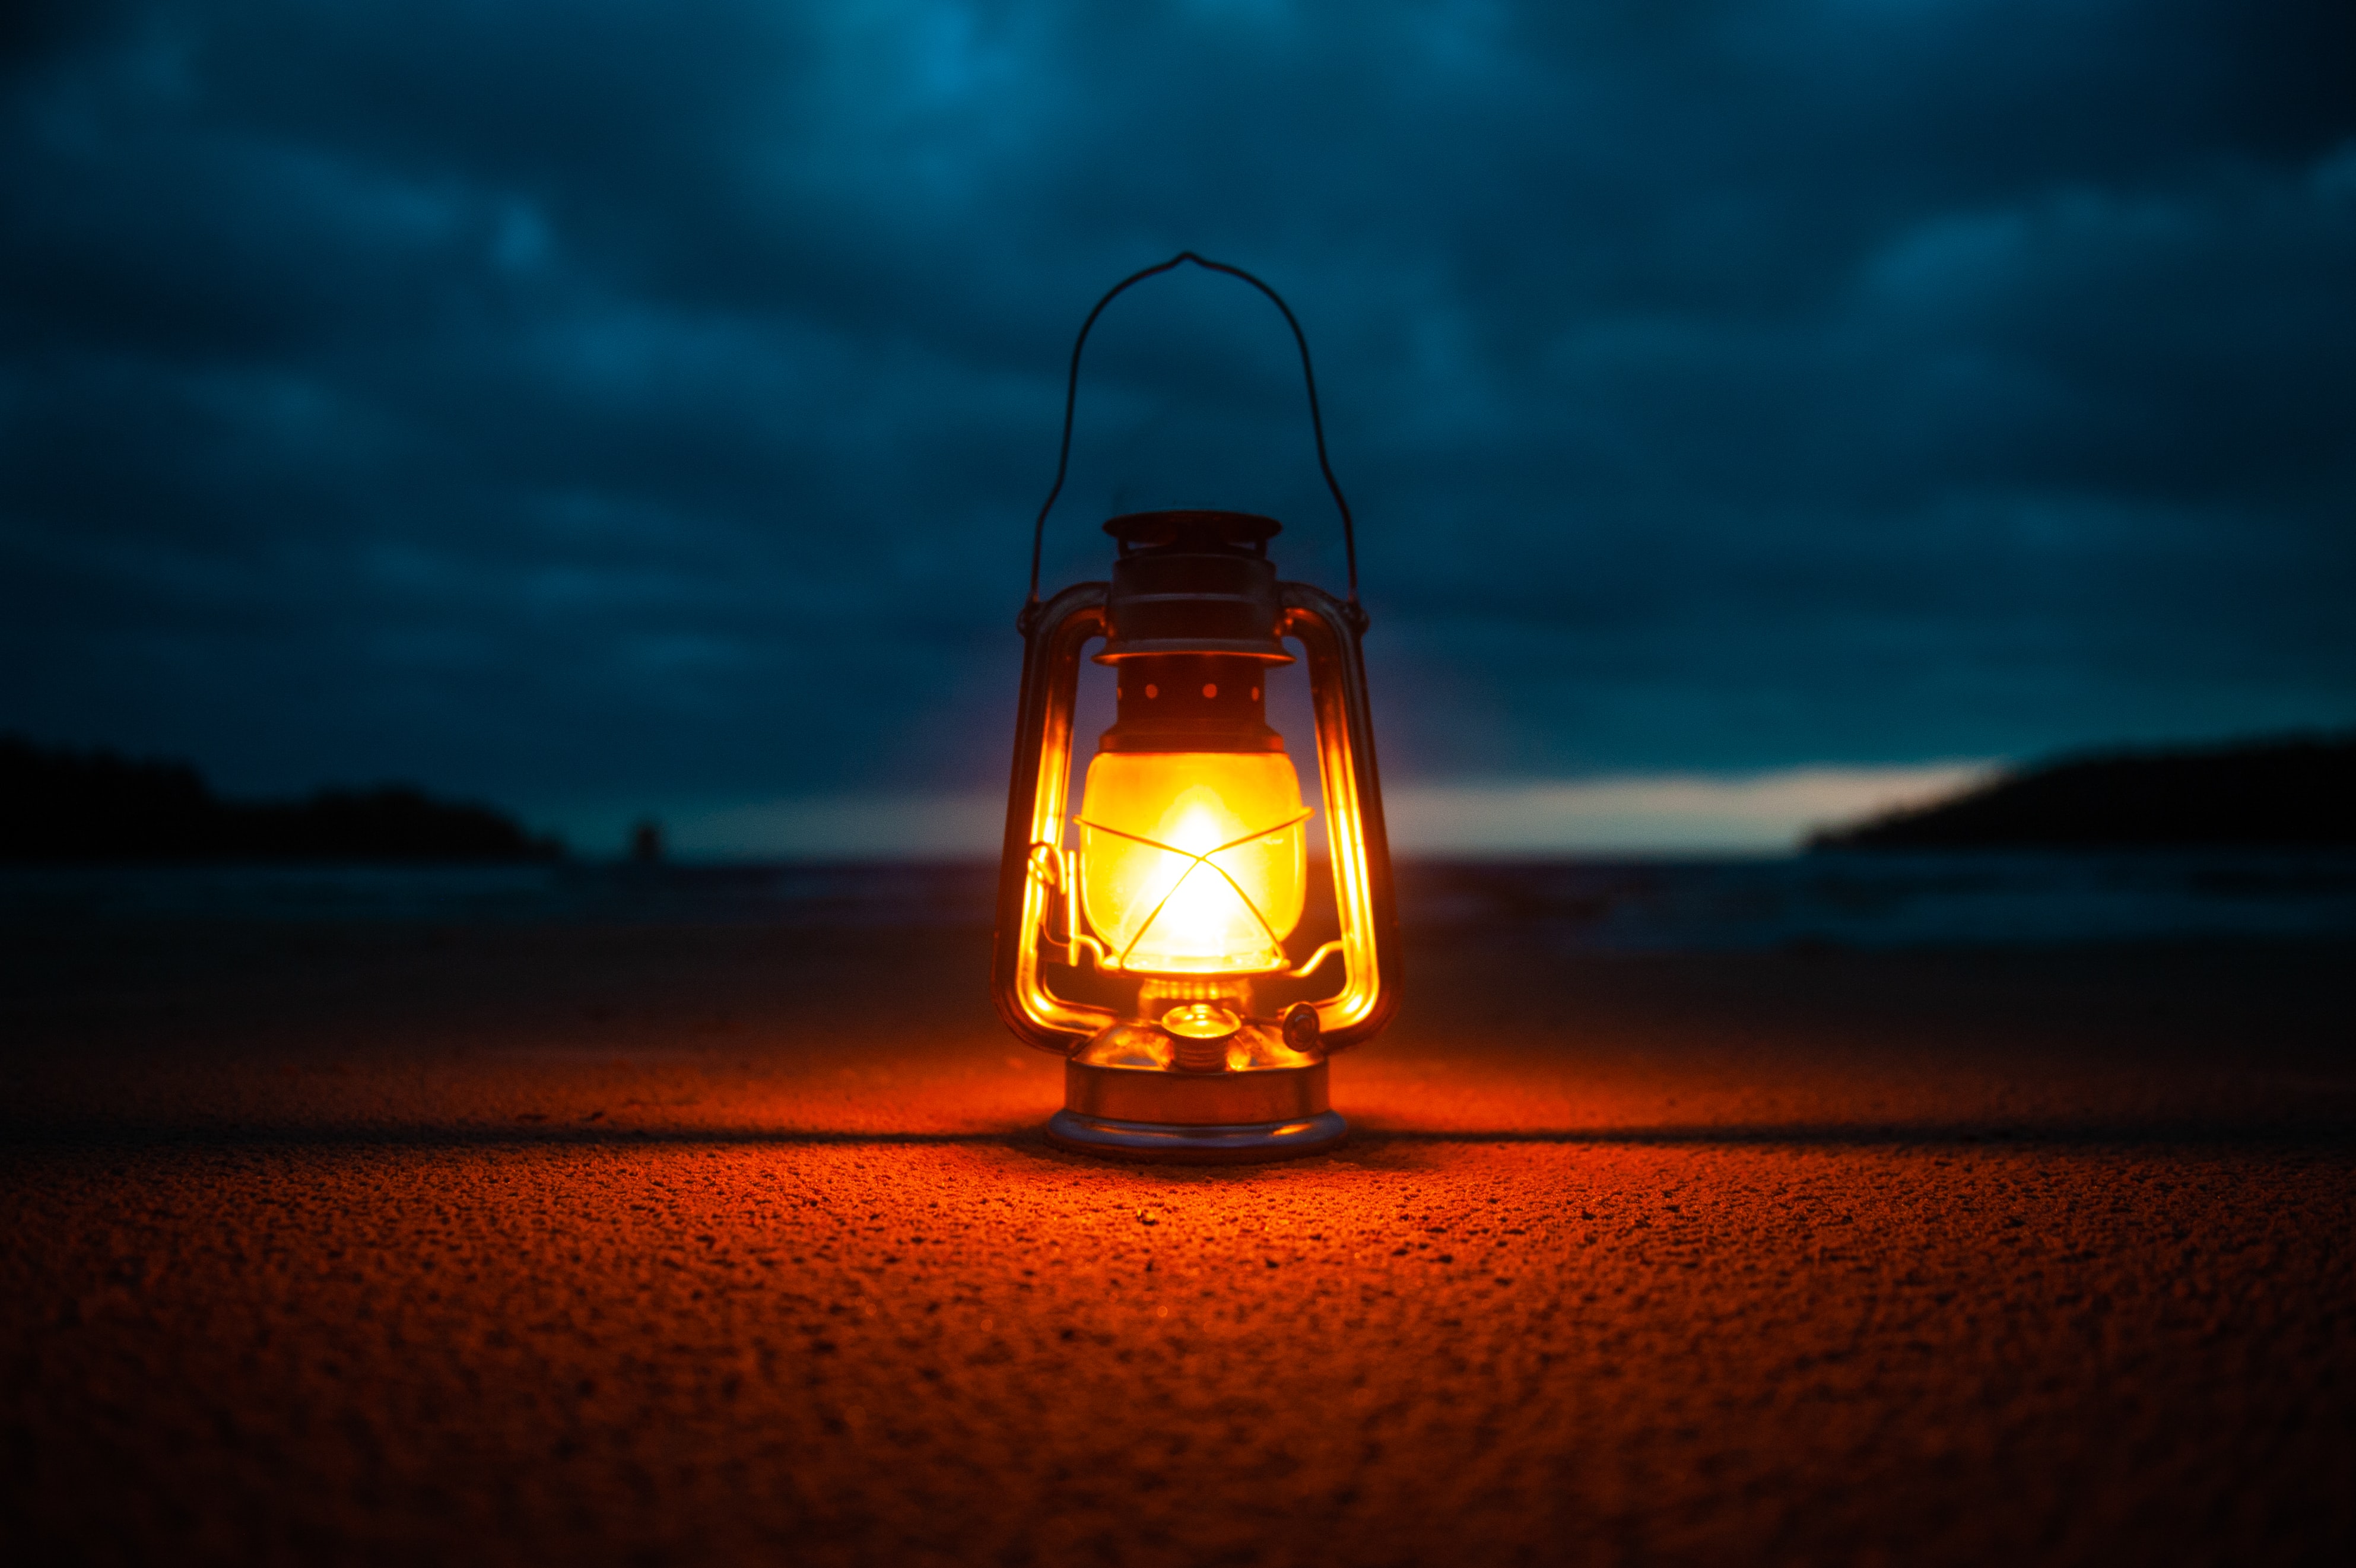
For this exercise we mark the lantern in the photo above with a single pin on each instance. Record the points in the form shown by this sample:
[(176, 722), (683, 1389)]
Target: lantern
[(1153, 936)]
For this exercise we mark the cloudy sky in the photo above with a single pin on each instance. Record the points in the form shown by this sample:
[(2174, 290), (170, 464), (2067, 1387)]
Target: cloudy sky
[(601, 407)]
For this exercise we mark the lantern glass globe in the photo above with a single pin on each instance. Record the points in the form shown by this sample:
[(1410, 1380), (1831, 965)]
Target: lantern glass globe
[(1193, 863)]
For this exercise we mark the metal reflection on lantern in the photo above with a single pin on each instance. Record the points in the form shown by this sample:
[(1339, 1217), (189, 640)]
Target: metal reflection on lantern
[(1149, 938)]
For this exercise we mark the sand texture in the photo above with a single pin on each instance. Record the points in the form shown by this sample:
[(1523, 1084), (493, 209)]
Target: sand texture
[(598, 1244)]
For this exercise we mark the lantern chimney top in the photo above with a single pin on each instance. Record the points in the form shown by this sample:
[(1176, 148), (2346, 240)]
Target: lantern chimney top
[(1193, 583), (1194, 530)]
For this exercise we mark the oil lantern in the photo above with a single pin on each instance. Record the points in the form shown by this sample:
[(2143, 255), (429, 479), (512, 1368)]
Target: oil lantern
[(1153, 934)]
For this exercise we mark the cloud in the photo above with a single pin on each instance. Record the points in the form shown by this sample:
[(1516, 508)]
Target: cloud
[(590, 401)]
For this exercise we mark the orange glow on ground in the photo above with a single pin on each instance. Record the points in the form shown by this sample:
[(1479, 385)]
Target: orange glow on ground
[(588, 1245)]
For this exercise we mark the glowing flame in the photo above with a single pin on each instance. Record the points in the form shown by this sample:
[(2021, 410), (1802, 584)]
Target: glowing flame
[(1198, 821)]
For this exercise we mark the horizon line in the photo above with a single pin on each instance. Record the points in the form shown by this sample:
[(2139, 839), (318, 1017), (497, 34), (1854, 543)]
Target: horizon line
[(1753, 812)]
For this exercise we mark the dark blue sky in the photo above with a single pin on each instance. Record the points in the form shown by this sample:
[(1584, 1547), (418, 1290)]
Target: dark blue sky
[(591, 402)]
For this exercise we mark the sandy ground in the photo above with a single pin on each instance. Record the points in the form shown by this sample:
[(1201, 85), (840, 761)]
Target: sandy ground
[(608, 1245)]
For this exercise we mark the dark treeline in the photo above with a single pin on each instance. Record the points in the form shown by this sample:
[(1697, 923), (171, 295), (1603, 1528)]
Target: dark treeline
[(62, 805), (2282, 793)]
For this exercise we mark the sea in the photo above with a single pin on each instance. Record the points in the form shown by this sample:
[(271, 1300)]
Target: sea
[(1863, 900)]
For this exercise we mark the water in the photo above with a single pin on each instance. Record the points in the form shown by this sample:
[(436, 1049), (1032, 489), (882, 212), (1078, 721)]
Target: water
[(1896, 900), (1608, 906), (896, 895)]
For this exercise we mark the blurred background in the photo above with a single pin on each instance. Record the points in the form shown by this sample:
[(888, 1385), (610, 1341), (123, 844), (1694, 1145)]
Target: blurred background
[(1756, 414)]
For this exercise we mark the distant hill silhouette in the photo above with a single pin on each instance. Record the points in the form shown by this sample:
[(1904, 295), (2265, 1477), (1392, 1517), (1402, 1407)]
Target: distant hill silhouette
[(64, 806), (2291, 792)]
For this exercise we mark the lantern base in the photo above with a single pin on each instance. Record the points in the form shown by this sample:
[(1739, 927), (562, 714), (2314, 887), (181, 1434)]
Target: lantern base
[(1172, 1143), (1127, 1097)]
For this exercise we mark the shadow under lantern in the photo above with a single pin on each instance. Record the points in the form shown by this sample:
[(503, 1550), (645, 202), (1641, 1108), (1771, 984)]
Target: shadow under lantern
[(1143, 944)]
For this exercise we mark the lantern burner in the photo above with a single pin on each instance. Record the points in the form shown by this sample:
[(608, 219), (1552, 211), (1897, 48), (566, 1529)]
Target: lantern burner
[(1199, 1033), (1200, 1016)]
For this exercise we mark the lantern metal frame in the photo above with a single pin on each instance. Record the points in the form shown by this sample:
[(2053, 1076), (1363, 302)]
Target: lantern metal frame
[(1273, 1102)]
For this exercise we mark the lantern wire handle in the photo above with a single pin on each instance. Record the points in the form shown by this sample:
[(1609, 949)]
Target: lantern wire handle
[(1071, 397)]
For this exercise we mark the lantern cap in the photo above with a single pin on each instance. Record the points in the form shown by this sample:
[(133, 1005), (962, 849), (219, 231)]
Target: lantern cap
[(1193, 582), (1193, 528)]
